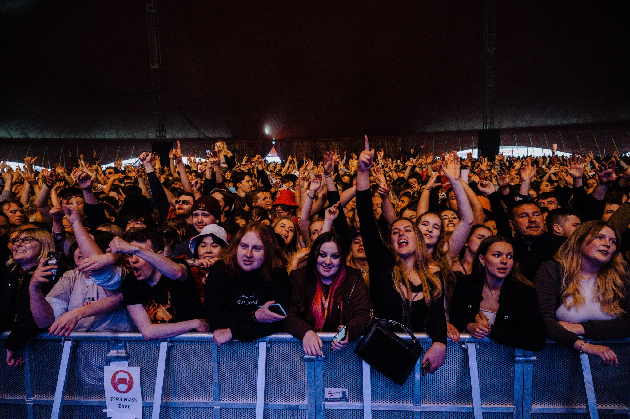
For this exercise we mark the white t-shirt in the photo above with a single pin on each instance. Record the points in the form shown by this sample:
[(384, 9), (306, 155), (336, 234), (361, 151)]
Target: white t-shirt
[(590, 310)]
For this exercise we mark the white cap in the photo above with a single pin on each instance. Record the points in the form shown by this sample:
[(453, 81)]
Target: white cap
[(214, 229)]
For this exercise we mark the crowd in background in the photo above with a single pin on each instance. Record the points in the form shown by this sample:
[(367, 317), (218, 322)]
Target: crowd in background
[(516, 250)]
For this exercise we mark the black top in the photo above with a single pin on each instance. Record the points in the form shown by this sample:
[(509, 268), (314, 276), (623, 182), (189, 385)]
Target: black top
[(386, 301), (518, 323), (168, 301), (230, 301), (15, 309)]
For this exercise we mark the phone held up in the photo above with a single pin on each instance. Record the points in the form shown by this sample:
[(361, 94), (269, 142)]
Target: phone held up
[(277, 308), (54, 259)]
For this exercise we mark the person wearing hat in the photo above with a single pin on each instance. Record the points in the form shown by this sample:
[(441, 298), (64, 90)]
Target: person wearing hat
[(205, 211), (206, 248), (285, 204)]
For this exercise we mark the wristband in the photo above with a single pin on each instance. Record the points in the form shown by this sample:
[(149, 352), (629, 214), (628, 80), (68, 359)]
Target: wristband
[(580, 348), (312, 197)]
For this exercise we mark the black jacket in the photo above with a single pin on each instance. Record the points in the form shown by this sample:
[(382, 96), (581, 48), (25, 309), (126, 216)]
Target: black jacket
[(15, 308), (518, 324), (350, 306)]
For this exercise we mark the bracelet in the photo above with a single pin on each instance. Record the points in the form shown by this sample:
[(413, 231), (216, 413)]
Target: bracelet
[(327, 176), (580, 348), (312, 197)]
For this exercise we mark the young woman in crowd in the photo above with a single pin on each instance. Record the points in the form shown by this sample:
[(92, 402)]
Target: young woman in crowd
[(402, 285), (496, 301), (241, 287), (327, 296), (463, 265), (584, 292), (206, 248), (29, 251)]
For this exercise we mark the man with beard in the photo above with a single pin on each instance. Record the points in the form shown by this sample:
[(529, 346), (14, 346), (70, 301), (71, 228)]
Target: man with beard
[(532, 245), (183, 206)]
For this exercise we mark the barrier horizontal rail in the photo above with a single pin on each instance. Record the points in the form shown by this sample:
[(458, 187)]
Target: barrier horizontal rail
[(189, 376)]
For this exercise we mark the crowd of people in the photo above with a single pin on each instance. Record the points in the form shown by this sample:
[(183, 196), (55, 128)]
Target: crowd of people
[(517, 250)]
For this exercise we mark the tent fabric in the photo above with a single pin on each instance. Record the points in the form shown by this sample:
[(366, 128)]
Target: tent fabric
[(307, 69)]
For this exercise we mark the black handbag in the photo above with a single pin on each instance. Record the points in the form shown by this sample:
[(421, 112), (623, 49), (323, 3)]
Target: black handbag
[(386, 352)]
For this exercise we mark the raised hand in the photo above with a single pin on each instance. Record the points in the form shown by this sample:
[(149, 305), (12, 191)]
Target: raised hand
[(366, 157), (485, 186), (527, 171), (607, 174), (452, 167), (576, 166)]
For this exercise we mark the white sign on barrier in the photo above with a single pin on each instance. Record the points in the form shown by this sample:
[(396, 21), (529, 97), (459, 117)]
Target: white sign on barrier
[(122, 391)]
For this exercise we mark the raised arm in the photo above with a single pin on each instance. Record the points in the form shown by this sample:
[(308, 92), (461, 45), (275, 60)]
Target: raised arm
[(451, 170), (181, 168), (167, 267)]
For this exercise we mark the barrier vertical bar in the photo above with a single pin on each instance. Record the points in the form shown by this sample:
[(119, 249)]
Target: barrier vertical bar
[(588, 386), (260, 380), (61, 379), (28, 392), (471, 347), (518, 383), (367, 391), (159, 380), (216, 390), (523, 383), (416, 391), (528, 384)]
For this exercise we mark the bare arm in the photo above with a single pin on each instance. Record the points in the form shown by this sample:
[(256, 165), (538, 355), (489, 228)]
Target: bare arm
[(164, 265), (477, 209), (164, 330), (66, 323), (458, 239)]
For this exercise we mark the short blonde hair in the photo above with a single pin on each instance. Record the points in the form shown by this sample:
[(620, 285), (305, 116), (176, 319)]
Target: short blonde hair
[(44, 238)]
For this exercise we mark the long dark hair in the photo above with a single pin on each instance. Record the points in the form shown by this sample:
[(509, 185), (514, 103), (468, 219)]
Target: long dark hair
[(319, 314)]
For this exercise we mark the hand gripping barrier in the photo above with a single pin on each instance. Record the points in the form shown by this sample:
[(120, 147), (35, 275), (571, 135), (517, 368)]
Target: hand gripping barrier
[(190, 377)]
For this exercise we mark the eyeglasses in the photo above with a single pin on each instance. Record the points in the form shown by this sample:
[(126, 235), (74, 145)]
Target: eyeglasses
[(24, 240), (183, 202)]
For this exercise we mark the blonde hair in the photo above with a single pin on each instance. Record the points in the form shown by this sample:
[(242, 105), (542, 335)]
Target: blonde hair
[(431, 283), (45, 239), (610, 279)]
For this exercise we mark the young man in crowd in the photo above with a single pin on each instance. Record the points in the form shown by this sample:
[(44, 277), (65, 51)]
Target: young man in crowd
[(160, 293)]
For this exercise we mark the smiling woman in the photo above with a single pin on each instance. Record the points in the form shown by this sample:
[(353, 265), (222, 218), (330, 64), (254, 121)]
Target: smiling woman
[(30, 248), (584, 292), (327, 296), (402, 286)]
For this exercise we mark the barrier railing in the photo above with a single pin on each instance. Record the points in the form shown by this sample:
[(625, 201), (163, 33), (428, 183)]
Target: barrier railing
[(189, 376)]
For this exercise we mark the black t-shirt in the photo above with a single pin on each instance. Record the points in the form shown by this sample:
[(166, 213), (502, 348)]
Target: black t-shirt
[(167, 301)]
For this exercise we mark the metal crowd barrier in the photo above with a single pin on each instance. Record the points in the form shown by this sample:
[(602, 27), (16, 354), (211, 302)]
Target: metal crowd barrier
[(190, 377)]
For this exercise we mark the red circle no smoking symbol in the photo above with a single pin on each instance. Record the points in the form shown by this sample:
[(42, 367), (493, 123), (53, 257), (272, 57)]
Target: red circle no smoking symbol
[(122, 381)]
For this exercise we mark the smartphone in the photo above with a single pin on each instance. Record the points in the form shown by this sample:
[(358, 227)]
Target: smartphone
[(208, 153), (54, 259), (425, 367), (341, 335), (277, 308)]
